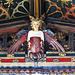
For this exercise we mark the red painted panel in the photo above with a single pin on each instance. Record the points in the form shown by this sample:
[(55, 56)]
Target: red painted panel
[(11, 60), (58, 59)]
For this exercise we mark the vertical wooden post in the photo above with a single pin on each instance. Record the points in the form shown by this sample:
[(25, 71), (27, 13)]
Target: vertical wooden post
[(4, 40), (71, 40), (38, 4), (36, 8)]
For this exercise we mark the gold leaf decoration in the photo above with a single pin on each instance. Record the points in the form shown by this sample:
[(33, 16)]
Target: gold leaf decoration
[(9, 2), (64, 2)]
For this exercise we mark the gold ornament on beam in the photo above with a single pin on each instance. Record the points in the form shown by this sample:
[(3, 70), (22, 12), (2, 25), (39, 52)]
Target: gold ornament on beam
[(9, 2), (64, 2), (31, 18), (40, 19)]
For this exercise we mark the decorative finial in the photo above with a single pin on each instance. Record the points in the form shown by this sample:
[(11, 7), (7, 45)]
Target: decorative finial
[(31, 18)]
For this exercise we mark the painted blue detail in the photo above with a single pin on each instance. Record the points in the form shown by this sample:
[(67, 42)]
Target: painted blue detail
[(4, 66), (16, 67), (22, 32), (15, 55), (70, 54), (11, 66), (44, 30), (50, 54), (57, 54), (3, 55), (46, 67), (49, 32), (19, 55), (22, 66), (27, 67)]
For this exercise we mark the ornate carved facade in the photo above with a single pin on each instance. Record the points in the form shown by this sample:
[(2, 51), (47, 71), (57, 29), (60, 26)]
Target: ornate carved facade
[(59, 17)]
